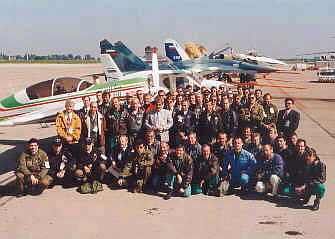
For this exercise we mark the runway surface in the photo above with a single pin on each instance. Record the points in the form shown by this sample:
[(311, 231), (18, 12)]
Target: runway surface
[(64, 213)]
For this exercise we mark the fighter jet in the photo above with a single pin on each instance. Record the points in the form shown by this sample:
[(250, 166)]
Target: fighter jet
[(251, 57), (125, 74), (204, 64)]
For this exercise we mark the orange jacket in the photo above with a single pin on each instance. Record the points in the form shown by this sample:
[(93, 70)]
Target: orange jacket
[(73, 130)]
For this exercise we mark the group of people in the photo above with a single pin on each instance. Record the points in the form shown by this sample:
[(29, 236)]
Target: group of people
[(184, 142)]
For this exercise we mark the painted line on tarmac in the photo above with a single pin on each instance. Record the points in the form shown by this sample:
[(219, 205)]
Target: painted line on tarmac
[(302, 107)]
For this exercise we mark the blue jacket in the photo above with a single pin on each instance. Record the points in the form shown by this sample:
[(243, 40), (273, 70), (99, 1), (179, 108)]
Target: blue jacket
[(244, 163), (265, 168)]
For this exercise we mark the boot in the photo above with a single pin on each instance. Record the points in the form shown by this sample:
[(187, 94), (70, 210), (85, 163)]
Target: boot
[(316, 204)]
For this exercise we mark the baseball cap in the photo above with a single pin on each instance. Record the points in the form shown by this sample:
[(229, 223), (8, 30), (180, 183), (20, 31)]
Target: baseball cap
[(57, 141), (87, 141)]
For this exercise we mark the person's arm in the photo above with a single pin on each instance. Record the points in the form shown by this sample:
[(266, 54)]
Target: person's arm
[(189, 174), (147, 122), (252, 164), (76, 128), (22, 166), (171, 167), (321, 176), (45, 166), (275, 114), (295, 121), (278, 168), (149, 160), (214, 169), (126, 171), (169, 120), (60, 127)]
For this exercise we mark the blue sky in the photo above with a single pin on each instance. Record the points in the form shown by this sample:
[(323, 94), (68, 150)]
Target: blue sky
[(274, 27)]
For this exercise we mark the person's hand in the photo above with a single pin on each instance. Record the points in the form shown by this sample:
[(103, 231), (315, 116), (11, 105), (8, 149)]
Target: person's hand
[(181, 190), (113, 164), (34, 180), (120, 182), (87, 169), (179, 179), (202, 183), (61, 174)]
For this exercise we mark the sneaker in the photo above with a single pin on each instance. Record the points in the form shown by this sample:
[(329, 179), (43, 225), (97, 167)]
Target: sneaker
[(306, 199)]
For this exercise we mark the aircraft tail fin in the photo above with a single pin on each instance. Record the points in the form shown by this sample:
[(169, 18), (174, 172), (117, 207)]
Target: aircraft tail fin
[(174, 51), (108, 55), (121, 58)]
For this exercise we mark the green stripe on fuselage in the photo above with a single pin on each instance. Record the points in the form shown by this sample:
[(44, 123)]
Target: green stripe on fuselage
[(119, 84), (10, 102)]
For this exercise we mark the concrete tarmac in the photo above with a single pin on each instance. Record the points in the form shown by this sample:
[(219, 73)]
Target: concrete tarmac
[(64, 213)]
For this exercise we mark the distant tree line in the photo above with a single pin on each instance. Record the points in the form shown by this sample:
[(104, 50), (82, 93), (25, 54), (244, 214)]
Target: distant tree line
[(53, 57)]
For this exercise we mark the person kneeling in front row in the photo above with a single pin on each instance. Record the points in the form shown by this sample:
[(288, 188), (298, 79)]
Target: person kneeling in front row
[(179, 173), (314, 178), (241, 164), (269, 170), (32, 171), (137, 170)]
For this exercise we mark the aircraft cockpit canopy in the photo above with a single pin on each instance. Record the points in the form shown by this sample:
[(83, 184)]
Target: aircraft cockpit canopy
[(58, 86)]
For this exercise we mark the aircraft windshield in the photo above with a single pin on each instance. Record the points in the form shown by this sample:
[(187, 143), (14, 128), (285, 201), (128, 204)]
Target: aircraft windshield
[(57, 86), (40, 90), (69, 85)]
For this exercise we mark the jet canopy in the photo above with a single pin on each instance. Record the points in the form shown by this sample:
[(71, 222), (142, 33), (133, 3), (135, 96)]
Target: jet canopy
[(58, 86)]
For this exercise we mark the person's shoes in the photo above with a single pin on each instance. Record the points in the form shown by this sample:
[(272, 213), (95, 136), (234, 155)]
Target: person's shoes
[(316, 204), (168, 196), (306, 199), (20, 194), (244, 191)]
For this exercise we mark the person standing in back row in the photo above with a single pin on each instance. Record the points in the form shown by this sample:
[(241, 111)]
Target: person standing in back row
[(288, 119)]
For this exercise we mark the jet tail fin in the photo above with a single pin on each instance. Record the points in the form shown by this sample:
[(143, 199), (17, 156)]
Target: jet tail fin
[(174, 51), (108, 54), (119, 59)]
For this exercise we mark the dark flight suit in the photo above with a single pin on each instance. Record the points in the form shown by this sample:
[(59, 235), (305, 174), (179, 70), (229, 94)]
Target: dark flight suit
[(61, 161)]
